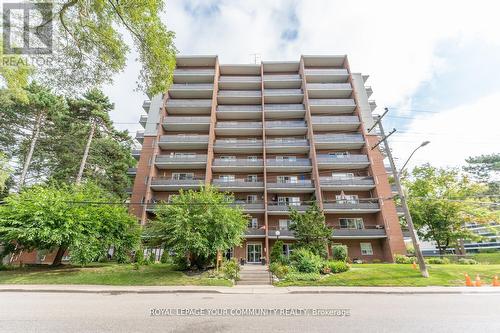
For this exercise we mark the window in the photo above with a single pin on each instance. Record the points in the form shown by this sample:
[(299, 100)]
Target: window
[(342, 154), (347, 199), (289, 201), (226, 178), (228, 158), (342, 175), (253, 223), (252, 140), (230, 140), (351, 223), (366, 249), (286, 158), (182, 176), (287, 179), (284, 224), (229, 254), (184, 155), (287, 249), (252, 198), (252, 158), (252, 178)]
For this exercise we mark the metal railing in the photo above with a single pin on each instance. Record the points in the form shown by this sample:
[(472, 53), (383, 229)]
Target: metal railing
[(198, 158), (238, 143), (278, 123), (238, 124), (285, 92), (191, 86), (295, 162), (342, 158), (225, 78), (131, 171), (194, 71), (347, 204), (339, 138), (346, 181), (285, 77), (288, 143), (239, 93), (239, 108), (183, 138), (300, 183), (330, 101), (238, 162), (189, 103), (319, 71), (333, 86), (334, 119), (237, 183), (180, 182), (287, 107), (187, 120), (285, 207)]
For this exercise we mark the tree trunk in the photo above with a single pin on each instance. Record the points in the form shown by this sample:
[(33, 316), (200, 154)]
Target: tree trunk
[(59, 255), (34, 139), (85, 154)]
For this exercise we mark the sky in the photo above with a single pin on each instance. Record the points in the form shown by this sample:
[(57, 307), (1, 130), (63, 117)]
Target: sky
[(434, 64)]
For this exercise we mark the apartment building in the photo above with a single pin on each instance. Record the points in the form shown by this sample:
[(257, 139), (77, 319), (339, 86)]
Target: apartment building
[(276, 134)]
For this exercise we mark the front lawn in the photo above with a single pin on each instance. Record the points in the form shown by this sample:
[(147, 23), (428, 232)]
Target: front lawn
[(108, 274), (402, 276)]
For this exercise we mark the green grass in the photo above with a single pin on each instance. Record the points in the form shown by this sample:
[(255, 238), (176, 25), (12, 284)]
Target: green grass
[(108, 274), (402, 276), (487, 258)]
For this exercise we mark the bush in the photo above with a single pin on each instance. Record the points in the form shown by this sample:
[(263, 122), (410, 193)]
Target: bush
[(276, 254), (464, 261), (181, 262), (339, 253), (438, 261), (152, 258), (165, 257), (401, 259), (305, 261), (2, 267), (121, 255), (139, 256), (296, 276), (334, 267), (279, 269), (231, 269)]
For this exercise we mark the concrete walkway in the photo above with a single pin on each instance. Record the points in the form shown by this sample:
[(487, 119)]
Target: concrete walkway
[(244, 289)]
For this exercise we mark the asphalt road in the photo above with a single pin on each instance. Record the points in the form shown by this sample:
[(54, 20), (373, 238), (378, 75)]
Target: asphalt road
[(76, 312)]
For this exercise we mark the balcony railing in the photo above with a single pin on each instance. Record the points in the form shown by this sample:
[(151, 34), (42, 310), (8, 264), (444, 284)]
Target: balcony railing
[(349, 204), (321, 71), (177, 182), (331, 102), (334, 119), (286, 77), (238, 124), (238, 143), (321, 86), (249, 205), (238, 162), (237, 183), (198, 158), (300, 183), (284, 233), (284, 207), (335, 181), (189, 103), (287, 124), (146, 104), (366, 231), (285, 162), (191, 86), (224, 78), (132, 171), (284, 107), (194, 71), (339, 138), (239, 93), (139, 135), (183, 138), (282, 92), (342, 158), (239, 108), (186, 120), (287, 143)]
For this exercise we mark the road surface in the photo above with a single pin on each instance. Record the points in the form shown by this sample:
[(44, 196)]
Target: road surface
[(80, 312)]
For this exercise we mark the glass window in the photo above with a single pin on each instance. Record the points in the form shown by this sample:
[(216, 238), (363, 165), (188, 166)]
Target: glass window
[(252, 178), (253, 223), (252, 198), (351, 223), (284, 224), (347, 199), (287, 249), (182, 176), (366, 249)]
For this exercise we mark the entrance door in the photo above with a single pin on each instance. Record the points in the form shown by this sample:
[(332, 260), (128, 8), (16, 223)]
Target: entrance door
[(254, 252)]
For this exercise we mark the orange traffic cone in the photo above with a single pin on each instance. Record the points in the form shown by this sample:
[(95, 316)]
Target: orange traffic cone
[(496, 283), (414, 265), (468, 282), (478, 281)]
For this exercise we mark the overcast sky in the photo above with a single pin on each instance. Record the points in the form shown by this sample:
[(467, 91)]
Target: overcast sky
[(435, 64)]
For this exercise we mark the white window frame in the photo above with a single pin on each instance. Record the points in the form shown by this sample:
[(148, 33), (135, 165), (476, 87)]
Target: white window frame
[(289, 201), (252, 178), (227, 178), (228, 158), (252, 198), (367, 250), (342, 175), (182, 175), (284, 224), (352, 223), (252, 158), (287, 179), (253, 223), (287, 249), (347, 199)]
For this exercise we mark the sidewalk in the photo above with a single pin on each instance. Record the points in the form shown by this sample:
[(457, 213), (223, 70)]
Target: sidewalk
[(246, 289)]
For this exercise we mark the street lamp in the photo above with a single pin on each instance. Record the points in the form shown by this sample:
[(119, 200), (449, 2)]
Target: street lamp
[(277, 235), (409, 220)]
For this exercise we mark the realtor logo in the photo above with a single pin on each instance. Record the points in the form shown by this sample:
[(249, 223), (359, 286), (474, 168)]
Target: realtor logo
[(27, 28)]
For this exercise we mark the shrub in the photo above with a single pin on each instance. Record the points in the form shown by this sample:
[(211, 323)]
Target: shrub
[(464, 261), (121, 255), (181, 262), (136, 266), (332, 266), (296, 276), (279, 269), (305, 261), (339, 252), (139, 256), (438, 261), (152, 257), (276, 254), (165, 257), (401, 259), (231, 269)]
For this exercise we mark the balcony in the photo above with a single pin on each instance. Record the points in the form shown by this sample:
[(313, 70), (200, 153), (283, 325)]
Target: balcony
[(136, 153), (369, 91), (347, 184), (326, 75), (183, 142), (146, 105), (139, 136), (350, 161), (238, 185), (284, 127), (191, 90), (194, 75), (373, 104), (195, 161), (255, 232), (250, 207), (339, 141), (283, 96), (132, 172), (284, 81), (238, 165), (284, 234), (368, 232), (329, 90), (189, 106), (238, 128), (335, 123), (278, 208), (288, 165), (299, 186), (287, 146), (358, 206), (239, 112), (168, 184), (238, 146), (239, 97), (240, 82), (331, 106), (181, 124), (143, 120), (280, 111)]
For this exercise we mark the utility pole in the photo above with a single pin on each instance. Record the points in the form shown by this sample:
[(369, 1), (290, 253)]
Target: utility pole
[(409, 221)]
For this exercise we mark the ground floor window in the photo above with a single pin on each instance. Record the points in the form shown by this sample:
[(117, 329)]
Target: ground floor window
[(229, 254), (366, 249), (287, 249)]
